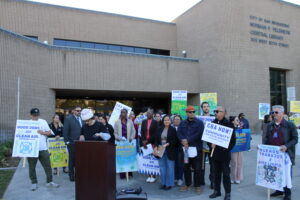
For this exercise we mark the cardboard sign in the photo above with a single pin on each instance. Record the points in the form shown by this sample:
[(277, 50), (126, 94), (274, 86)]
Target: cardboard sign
[(27, 139), (126, 160), (117, 111), (217, 134), (58, 152)]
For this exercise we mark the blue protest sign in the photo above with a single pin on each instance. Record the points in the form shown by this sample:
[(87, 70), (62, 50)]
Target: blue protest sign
[(242, 140)]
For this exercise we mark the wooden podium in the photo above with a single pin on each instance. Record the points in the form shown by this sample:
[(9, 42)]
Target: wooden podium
[(95, 170)]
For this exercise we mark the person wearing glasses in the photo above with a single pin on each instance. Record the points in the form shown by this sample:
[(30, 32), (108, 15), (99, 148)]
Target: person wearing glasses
[(283, 133), (190, 133), (221, 157), (71, 132)]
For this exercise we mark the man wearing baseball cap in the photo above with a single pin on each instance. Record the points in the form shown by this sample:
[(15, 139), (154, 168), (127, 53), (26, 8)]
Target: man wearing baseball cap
[(44, 156), (190, 133)]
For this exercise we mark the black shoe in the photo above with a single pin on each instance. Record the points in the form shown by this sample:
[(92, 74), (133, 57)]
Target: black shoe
[(65, 170), (276, 194), (168, 188), (215, 195), (162, 187), (227, 196), (287, 197), (72, 178)]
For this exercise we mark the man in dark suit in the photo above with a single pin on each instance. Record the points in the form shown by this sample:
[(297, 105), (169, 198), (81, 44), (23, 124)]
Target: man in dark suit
[(148, 132), (221, 158), (71, 132)]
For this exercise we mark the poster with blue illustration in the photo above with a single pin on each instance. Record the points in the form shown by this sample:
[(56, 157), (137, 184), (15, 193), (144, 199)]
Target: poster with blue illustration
[(126, 156), (148, 165), (263, 109), (27, 139), (242, 140), (270, 170)]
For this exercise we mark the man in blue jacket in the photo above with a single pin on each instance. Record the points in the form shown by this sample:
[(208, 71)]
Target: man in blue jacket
[(190, 133)]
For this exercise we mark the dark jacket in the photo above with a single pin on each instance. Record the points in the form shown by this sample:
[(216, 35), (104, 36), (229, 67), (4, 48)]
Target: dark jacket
[(290, 135), (72, 129), (57, 131), (110, 130), (192, 131), (171, 139), (153, 129), (221, 153), (90, 131)]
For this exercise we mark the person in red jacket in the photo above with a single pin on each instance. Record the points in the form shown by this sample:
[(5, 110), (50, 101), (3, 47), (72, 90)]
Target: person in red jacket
[(148, 132)]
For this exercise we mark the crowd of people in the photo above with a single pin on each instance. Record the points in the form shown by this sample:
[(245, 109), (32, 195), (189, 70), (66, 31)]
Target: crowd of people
[(184, 156)]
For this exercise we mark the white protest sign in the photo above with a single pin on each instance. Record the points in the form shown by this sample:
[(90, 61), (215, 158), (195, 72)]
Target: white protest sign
[(273, 168), (117, 111), (179, 95), (217, 134), (148, 165), (27, 140), (205, 119)]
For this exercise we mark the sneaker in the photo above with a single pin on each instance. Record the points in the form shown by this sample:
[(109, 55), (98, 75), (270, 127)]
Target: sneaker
[(198, 190), (152, 180), (184, 188), (237, 182), (52, 184), (232, 182), (179, 182), (33, 187), (148, 179)]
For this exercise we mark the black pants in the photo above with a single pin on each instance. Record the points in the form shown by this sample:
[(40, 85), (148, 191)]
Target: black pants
[(71, 149), (211, 169), (222, 168), (196, 164)]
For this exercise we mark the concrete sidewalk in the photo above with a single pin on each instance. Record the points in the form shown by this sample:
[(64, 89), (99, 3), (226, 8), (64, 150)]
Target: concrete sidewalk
[(18, 189)]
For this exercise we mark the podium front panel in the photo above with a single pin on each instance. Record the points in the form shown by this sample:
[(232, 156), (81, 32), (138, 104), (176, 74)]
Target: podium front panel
[(95, 170)]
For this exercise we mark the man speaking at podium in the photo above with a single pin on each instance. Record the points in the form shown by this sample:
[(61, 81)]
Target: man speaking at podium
[(92, 130)]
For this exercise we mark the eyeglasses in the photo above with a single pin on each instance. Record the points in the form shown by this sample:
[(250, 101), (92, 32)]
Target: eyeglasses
[(191, 112), (274, 112), (218, 111), (78, 110)]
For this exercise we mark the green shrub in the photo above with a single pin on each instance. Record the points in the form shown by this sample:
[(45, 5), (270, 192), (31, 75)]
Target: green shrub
[(5, 150)]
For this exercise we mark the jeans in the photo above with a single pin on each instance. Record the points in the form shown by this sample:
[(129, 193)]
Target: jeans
[(44, 158), (178, 165), (196, 164), (166, 167)]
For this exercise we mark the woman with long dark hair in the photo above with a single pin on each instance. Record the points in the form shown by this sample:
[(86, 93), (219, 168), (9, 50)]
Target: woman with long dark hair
[(166, 139)]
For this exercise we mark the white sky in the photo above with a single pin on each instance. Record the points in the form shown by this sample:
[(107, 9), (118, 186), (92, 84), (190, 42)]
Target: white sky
[(162, 10)]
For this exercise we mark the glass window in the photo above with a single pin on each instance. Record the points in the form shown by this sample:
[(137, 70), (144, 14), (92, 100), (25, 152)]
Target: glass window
[(32, 37), (140, 50), (59, 42), (127, 49), (101, 46), (114, 47), (71, 43), (87, 45), (278, 87)]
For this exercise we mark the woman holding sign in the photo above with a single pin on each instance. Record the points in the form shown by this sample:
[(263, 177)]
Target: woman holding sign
[(165, 147), (57, 127), (236, 163)]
